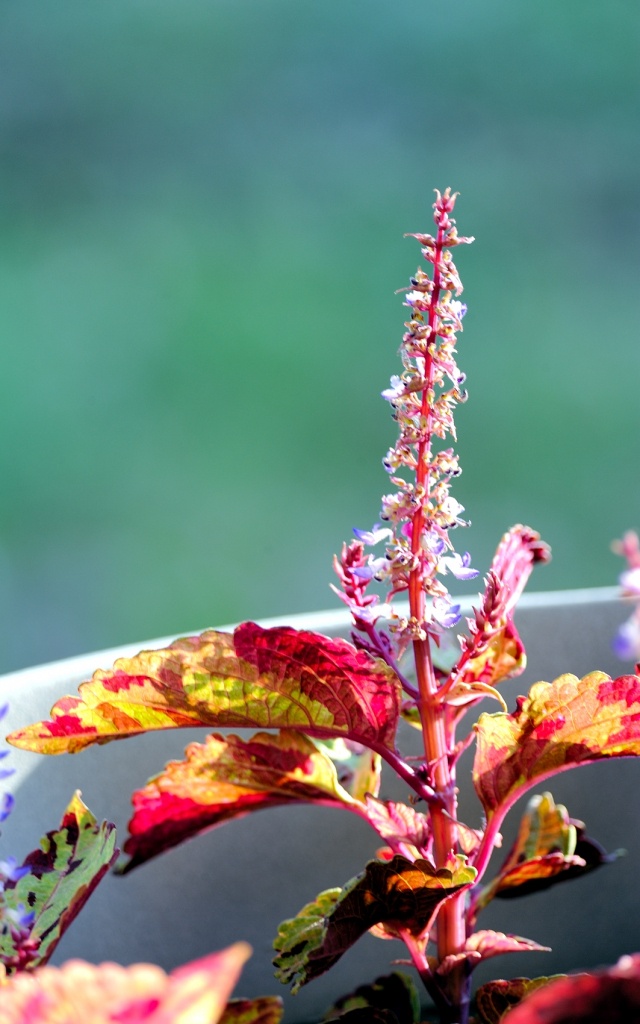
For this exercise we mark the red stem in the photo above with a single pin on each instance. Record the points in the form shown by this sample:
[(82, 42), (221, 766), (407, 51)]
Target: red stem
[(450, 925)]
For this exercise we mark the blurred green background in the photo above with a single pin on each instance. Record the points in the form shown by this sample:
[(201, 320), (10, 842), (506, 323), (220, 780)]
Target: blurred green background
[(202, 210)]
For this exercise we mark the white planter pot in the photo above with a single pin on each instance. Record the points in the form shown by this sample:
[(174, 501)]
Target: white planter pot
[(240, 881)]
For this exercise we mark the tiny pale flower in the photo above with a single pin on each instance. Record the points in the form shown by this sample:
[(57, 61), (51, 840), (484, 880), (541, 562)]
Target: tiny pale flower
[(394, 392)]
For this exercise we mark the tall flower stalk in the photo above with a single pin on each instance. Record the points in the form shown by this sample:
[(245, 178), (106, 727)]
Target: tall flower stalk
[(419, 551)]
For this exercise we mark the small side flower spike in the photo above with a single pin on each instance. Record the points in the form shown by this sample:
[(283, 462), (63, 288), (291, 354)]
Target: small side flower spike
[(626, 643)]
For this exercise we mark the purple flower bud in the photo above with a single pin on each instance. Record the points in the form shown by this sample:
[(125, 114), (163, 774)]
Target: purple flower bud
[(459, 566), (374, 535), (20, 916), (445, 614), (363, 572), (626, 643), (6, 806), (434, 543), (10, 871)]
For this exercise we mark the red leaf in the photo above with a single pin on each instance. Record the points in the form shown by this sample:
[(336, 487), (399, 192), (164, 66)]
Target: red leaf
[(359, 696), (610, 997), (558, 726), (485, 944), (400, 825), (108, 993), (224, 778), (494, 650), (270, 678)]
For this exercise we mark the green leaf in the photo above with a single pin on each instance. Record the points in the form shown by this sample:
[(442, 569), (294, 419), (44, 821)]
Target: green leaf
[(398, 895), (264, 1010), (298, 937), (227, 777), (269, 678), (560, 725), (550, 847), (62, 875), (496, 998), (392, 998)]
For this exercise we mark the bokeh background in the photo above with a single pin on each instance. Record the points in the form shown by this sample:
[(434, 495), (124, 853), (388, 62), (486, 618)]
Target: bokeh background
[(201, 218)]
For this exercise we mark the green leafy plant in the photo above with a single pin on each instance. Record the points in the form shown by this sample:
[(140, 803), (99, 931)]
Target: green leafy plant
[(328, 711)]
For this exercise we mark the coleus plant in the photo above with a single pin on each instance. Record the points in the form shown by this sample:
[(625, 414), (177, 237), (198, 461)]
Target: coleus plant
[(328, 711)]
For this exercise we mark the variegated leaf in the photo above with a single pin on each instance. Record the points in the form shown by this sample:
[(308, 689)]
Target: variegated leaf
[(400, 895), (267, 678), (227, 777), (60, 878), (494, 651), (550, 847), (400, 825), (560, 725), (358, 767)]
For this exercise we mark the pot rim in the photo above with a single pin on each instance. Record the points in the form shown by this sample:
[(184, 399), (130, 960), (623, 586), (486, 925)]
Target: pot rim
[(331, 621)]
